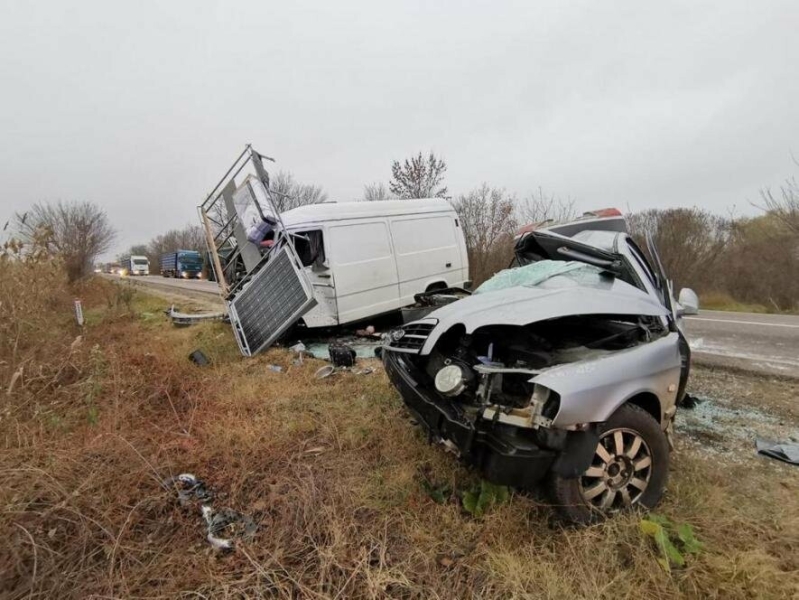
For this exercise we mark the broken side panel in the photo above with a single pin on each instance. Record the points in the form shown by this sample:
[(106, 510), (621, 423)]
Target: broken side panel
[(271, 302), (263, 282)]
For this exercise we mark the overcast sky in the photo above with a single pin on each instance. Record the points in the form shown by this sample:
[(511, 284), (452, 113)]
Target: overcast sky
[(141, 106)]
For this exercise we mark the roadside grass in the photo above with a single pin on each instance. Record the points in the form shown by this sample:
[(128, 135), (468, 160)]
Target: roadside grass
[(723, 301), (333, 470)]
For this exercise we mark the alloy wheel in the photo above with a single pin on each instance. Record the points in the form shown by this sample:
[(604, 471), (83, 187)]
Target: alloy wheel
[(619, 472)]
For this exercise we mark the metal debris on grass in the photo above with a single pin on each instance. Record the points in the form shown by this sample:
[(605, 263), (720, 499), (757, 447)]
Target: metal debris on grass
[(224, 522), (180, 319)]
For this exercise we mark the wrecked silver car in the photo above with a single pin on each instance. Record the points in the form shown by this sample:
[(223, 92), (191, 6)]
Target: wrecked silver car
[(567, 368)]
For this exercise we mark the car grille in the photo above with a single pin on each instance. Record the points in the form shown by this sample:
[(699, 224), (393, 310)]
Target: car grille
[(414, 337)]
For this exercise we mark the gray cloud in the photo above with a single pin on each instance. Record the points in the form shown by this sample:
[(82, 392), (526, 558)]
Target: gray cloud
[(140, 106)]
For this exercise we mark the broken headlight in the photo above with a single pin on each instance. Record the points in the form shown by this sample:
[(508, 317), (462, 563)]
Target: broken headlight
[(450, 380)]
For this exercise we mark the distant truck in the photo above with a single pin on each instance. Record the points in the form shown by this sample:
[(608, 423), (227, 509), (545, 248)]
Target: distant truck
[(135, 265), (111, 268), (187, 264)]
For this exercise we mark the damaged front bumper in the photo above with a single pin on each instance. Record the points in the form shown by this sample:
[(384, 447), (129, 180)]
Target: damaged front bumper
[(505, 455)]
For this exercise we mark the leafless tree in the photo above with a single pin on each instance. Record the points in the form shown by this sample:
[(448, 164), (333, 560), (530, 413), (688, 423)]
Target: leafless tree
[(377, 191), (136, 250), (488, 219), (691, 242), (288, 193), (785, 204), (77, 232), (539, 207), (419, 177)]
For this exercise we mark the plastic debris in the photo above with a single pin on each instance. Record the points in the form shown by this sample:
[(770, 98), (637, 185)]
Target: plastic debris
[(341, 355), (786, 452), (199, 358), (324, 372), (275, 368)]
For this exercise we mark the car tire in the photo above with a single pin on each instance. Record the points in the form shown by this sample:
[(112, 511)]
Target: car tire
[(634, 477)]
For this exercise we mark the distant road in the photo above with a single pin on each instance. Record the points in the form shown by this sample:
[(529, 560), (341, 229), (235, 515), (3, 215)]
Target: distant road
[(195, 285), (766, 344)]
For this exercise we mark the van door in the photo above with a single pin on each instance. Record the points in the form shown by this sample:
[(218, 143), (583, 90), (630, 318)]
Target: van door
[(427, 252), (310, 247), (362, 260)]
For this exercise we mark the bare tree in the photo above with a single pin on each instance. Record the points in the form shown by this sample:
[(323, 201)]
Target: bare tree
[(136, 250), (488, 219), (419, 177), (785, 205), (690, 241), (288, 193), (77, 232), (539, 207), (377, 191)]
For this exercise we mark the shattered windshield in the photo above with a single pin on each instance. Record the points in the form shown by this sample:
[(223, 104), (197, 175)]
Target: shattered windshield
[(540, 271)]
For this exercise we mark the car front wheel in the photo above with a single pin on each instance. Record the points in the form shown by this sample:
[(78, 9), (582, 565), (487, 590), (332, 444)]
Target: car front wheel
[(629, 468)]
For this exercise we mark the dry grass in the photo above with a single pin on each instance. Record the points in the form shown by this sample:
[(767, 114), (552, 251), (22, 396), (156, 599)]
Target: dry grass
[(723, 301), (331, 470)]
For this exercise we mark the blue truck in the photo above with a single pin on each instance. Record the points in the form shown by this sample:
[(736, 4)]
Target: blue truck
[(187, 264)]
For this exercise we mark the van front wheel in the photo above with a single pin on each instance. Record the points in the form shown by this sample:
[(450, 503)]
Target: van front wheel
[(629, 469)]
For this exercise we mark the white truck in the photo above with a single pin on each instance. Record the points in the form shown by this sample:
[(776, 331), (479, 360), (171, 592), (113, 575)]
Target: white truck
[(135, 265)]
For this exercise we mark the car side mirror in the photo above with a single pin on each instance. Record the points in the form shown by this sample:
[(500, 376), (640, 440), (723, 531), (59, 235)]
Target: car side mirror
[(689, 301)]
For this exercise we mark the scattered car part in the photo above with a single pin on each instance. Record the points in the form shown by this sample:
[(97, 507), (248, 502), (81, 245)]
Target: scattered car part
[(784, 451), (341, 355), (199, 358), (191, 490), (324, 372), (230, 522), (180, 319)]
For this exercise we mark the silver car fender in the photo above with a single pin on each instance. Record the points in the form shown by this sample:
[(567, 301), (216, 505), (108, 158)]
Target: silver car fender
[(592, 390)]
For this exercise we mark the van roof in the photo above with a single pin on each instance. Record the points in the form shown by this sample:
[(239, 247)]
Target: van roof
[(336, 211)]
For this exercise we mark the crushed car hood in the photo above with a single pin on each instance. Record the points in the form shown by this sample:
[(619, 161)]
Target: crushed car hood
[(523, 305)]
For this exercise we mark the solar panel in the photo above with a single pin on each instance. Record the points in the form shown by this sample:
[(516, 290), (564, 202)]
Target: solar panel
[(267, 305)]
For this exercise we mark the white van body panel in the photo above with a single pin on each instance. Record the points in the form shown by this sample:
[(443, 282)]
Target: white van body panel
[(378, 255)]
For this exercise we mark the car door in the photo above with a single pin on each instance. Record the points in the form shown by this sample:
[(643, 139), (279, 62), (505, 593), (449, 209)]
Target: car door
[(670, 303)]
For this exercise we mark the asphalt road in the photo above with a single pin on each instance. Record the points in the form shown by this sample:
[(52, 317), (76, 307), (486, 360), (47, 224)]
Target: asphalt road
[(195, 285), (757, 342)]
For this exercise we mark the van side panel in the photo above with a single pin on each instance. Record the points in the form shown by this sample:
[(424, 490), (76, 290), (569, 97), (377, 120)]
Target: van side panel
[(365, 273), (427, 250)]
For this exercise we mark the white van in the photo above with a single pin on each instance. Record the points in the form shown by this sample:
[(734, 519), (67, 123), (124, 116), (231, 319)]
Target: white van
[(370, 258)]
